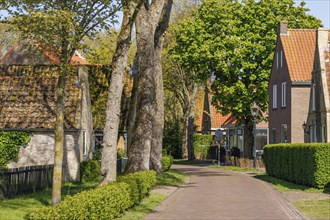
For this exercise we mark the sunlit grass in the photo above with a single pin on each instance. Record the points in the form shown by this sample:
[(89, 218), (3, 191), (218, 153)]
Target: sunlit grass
[(234, 168), (315, 209), (283, 185), (170, 178), (145, 207)]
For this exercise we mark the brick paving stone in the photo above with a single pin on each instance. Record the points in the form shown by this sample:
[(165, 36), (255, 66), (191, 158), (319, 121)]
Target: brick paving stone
[(219, 194)]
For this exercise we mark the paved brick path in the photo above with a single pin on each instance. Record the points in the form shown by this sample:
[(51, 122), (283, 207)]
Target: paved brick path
[(219, 194)]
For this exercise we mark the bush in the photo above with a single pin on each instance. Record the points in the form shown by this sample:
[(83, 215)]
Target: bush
[(167, 162), (104, 202), (306, 164), (202, 143), (140, 184), (90, 171)]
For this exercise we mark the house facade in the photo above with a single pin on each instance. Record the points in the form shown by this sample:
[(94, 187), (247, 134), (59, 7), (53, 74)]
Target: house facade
[(289, 84), (27, 103), (317, 127)]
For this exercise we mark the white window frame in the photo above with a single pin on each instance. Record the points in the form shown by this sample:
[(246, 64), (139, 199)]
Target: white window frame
[(274, 96), (313, 97), (311, 134), (283, 94), (324, 133)]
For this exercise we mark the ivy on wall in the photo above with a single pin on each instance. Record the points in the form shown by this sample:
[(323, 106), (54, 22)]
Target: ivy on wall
[(10, 143)]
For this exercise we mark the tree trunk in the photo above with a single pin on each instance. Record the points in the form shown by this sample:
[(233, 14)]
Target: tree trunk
[(59, 137), (185, 137), (191, 126), (158, 119), (248, 139), (119, 62), (146, 24)]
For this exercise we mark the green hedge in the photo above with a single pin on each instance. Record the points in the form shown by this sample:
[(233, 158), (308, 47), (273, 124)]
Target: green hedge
[(90, 171), (167, 162), (140, 184), (202, 143), (306, 164), (104, 202)]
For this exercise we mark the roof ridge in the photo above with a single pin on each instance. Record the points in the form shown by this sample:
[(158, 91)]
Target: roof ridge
[(302, 29)]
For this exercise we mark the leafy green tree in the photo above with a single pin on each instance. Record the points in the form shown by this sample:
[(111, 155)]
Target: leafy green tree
[(233, 43), (59, 26), (7, 38)]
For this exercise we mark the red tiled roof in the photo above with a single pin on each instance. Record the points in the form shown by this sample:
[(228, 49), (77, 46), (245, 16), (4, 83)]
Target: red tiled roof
[(217, 118), (20, 54), (27, 98), (299, 48), (327, 64)]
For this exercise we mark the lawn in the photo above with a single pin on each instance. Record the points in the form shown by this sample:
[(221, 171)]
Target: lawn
[(16, 208), (315, 209), (237, 169)]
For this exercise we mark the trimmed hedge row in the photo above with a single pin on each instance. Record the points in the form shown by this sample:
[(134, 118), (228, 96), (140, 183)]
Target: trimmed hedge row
[(104, 202), (306, 164)]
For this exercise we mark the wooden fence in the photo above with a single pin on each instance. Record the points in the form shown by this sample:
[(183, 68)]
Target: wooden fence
[(22, 180)]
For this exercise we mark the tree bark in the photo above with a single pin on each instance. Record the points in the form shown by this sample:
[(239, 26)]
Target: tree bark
[(158, 119), (119, 62), (59, 137), (146, 23), (248, 139)]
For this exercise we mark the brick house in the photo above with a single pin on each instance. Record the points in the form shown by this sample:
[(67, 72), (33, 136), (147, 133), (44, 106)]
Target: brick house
[(289, 84), (318, 120), (27, 103)]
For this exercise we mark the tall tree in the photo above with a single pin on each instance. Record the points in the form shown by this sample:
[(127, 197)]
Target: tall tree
[(233, 41), (146, 145), (119, 63), (59, 26)]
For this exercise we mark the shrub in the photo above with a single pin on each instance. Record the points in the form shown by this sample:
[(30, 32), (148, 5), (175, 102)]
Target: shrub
[(104, 202), (120, 153), (167, 162), (10, 143), (306, 164), (202, 143), (90, 171), (140, 184)]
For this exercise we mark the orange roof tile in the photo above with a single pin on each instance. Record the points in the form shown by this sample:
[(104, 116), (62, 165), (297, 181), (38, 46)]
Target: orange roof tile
[(299, 48), (327, 64), (217, 118), (20, 54)]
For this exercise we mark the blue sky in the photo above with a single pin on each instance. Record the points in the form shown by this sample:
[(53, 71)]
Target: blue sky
[(319, 9)]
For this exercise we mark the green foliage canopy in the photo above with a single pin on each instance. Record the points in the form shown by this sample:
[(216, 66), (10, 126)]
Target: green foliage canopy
[(10, 143), (234, 41)]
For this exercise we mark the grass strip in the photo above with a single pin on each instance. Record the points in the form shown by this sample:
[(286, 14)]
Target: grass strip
[(314, 209), (145, 207), (283, 185)]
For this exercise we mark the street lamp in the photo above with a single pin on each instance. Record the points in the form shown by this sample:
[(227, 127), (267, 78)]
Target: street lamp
[(304, 126), (255, 113)]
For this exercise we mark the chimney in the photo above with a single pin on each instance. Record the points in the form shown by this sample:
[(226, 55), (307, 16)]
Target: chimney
[(283, 28)]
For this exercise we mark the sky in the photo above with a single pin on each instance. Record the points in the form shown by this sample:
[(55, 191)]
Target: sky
[(318, 8)]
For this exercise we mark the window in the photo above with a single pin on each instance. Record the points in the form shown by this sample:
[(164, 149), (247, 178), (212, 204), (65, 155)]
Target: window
[(313, 98), (284, 133), (84, 142), (314, 134), (274, 96), (311, 134), (273, 136), (281, 58), (324, 132), (284, 94), (276, 59)]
